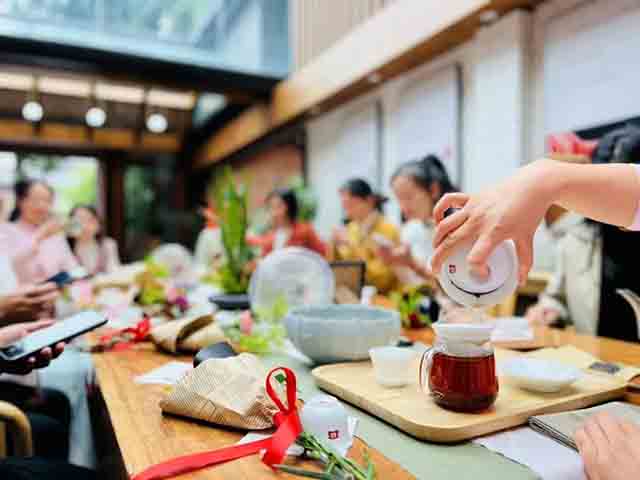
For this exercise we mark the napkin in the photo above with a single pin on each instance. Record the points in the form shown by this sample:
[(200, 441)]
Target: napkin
[(548, 459), (202, 338), (168, 374), (224, 391), (512, 329), (170, 335), (562, 426)]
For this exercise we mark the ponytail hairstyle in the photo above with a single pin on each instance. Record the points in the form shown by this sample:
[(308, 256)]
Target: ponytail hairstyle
[(21, 190), (425, 172), (360, 188)]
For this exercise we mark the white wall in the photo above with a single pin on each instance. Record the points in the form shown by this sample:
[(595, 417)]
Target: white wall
[(341, 145), (496, 79), (585, 67), (570, 64)]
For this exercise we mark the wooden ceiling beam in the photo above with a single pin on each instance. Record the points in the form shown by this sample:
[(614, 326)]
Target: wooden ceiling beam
[(402, 36), (22, 134)]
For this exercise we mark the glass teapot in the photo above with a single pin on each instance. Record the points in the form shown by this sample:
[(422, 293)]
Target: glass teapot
[(460, 368)]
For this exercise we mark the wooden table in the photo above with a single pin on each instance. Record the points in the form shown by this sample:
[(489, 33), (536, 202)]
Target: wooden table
[(145, 437)]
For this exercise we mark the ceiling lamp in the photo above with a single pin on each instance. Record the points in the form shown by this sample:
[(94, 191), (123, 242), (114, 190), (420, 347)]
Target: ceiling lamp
[(95, 117), (157, 123), (32, 111)]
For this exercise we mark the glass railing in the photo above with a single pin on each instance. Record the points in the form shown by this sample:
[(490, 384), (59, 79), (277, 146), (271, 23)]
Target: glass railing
[(241, 35)]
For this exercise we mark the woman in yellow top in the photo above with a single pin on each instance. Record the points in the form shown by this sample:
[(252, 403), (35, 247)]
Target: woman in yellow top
[(366, 231)]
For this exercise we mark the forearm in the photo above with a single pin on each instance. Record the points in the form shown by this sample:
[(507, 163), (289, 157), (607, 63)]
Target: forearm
[(606, 193)]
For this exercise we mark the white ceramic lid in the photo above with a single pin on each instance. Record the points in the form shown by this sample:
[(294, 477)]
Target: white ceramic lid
[(464, 332), (303, 277), (466, 288)]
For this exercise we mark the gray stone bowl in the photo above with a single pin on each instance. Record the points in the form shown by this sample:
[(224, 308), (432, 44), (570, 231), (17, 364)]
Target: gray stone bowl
[(341, 333)]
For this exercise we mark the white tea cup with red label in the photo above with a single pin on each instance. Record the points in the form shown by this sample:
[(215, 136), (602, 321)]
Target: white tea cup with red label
[(326, 418)]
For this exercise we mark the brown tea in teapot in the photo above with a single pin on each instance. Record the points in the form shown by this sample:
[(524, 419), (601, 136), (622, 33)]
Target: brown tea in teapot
[(463, 384)]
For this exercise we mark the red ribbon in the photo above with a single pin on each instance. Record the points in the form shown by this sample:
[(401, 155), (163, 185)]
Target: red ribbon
[(289, 428), (130, 335)]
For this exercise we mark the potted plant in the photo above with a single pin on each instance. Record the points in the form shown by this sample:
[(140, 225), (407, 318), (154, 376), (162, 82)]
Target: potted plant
[(410, 304), (231, 201)]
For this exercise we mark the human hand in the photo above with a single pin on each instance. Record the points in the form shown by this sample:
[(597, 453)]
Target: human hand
[(51, 227), (511, 210), (610, 448), (14, 333), (400, 255), (28, 302), (540, 315), (339, 236)]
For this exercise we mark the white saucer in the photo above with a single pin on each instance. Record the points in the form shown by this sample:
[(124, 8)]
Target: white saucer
[(539, 375)]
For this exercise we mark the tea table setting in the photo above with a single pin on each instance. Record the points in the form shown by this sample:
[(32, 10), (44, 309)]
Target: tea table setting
[(394, 392)]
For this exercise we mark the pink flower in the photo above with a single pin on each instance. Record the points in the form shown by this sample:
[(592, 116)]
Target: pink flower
[(172, 293), (246, 322)]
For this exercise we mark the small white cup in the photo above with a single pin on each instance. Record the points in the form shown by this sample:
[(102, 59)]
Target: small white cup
[(326, 418), (392, 365)]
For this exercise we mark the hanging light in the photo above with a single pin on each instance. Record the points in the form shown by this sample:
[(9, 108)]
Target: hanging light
[(32, 111), (95, 117), (157, 123)]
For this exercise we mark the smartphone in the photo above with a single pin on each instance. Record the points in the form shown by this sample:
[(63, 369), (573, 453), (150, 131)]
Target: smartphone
[(61, 279), (62, 331), (382, 240)]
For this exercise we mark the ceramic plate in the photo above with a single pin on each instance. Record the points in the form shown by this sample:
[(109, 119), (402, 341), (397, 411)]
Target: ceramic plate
[(540, 375)]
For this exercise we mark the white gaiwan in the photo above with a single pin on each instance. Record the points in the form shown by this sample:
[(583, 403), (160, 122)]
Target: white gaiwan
[(340, 333)]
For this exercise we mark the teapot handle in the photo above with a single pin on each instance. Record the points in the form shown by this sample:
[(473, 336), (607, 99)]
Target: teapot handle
[(426, 362)]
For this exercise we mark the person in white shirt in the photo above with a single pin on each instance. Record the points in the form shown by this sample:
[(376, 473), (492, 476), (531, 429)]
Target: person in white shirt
[(417, 185)]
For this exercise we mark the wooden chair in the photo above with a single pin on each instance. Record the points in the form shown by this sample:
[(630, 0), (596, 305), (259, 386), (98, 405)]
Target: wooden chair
[(350, 275), (15, 425)]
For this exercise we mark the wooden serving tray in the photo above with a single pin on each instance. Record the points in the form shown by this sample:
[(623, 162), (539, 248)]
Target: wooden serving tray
[(414, 412)]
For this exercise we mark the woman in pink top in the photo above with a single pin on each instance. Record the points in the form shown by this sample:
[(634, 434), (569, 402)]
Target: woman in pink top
[(33, 239)]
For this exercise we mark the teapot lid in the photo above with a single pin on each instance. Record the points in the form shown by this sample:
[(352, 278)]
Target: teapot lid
[(462, 286), (464, 332)]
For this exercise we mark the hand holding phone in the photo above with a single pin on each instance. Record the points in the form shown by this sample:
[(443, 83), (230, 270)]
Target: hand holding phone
[(14, 333), (49, 337)]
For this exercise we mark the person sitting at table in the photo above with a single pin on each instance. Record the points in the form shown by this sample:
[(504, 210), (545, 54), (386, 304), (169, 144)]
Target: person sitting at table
[(286, 229), (45, 413), (591, 263), (513, 210), (209, 251), (366, 231), (95, 252), (33, 239), (48, 409), (417, 185)]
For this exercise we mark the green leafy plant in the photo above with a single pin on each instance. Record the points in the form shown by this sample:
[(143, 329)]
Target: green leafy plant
[(408, 302), (231, 205), (274, 312), (307, 202), (150, 282), (337, 467)]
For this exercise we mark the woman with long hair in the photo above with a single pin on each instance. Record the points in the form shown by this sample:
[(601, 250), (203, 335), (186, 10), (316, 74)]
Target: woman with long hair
[(33, 238), (417, 185), (286, 228), (95, 252), (366, 230)]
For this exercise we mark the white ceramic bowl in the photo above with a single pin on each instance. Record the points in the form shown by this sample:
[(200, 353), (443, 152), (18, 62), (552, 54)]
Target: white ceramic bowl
[(540, 375), (340, 333)]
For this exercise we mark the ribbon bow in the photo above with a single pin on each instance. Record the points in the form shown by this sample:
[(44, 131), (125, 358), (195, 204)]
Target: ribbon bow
[(288, 426), (126, 337)]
